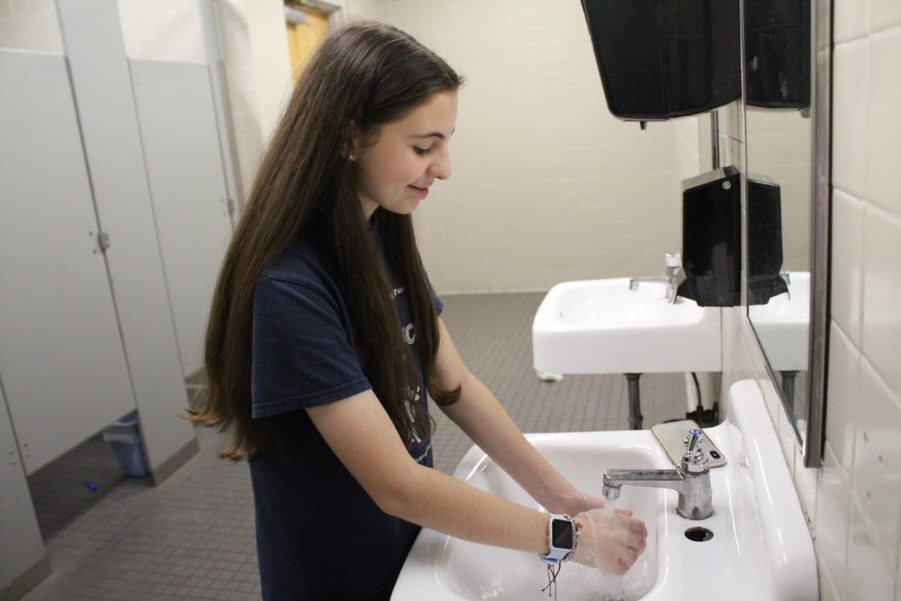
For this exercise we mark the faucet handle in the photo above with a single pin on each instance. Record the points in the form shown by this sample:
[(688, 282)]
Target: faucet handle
[(695, 459), (673, 260)]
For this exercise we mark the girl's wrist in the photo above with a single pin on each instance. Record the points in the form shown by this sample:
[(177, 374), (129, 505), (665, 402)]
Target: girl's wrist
[(570, 502), (580, 526)]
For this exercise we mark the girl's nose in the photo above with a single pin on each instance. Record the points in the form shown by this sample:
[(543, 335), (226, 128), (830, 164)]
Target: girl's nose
[(441, 168)]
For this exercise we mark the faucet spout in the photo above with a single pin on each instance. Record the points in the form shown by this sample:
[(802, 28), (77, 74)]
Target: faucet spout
[(691, 480), (615, 479), (695, 502), (671, 280)]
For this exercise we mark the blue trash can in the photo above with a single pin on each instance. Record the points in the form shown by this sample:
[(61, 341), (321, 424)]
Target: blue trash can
[(124, 438)]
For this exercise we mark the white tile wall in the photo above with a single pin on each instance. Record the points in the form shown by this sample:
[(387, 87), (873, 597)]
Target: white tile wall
[(828, 591), (884, 14), (849, 135), (877, 459), (847, 264), (850, 20), (857, 523), (833, 520), (881, 327), (869, 576), (884, 119), (844, 394)]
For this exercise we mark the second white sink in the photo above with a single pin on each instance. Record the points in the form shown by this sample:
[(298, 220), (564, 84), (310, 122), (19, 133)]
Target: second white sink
[(600, 326), (782, 325)]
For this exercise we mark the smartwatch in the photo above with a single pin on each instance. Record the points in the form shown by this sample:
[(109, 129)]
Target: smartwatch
[(563, 536)]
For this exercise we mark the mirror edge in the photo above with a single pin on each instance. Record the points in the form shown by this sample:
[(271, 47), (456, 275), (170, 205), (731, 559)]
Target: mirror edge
[(821, 225)]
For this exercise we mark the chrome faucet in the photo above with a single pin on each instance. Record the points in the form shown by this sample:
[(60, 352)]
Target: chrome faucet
[(691, 480), (673, 266)]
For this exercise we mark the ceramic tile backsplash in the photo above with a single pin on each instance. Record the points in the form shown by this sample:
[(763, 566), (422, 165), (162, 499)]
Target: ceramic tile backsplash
[(884, 120), (877, 458), (882, 294), (844, 396), (857, 515), (870, 577), (898, 579), (849, 97), (847, 264), (806, 482), (828, 591), (850, 19), (833, 518), (884, 14)]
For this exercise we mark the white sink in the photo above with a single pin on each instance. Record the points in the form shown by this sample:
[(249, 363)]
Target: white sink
[(600, 326), (761, 548), (782, 325)]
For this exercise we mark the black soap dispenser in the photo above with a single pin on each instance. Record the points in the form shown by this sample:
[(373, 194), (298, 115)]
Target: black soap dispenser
[(711, 238), (764, 240), (666, 58)]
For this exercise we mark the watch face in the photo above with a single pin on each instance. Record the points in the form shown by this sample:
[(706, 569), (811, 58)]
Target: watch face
[(562, 534)]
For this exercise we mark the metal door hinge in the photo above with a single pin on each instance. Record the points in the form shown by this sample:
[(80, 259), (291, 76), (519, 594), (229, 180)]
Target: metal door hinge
[(103, 241)]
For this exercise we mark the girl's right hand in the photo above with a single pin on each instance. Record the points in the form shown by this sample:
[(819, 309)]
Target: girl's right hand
[(611, 542)]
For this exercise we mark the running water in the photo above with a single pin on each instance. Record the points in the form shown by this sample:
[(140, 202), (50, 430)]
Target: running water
[(613, 584)]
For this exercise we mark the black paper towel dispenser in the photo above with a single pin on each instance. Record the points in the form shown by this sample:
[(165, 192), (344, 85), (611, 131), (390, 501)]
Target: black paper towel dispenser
[(666, 58), (777, 53)]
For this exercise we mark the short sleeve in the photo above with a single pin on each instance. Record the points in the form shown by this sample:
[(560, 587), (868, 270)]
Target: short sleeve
[(303, 352)]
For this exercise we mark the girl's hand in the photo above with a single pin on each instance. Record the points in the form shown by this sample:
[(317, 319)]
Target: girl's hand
[(610, 542)]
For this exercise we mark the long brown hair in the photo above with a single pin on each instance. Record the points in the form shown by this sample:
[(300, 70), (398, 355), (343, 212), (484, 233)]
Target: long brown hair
[(364, 75)]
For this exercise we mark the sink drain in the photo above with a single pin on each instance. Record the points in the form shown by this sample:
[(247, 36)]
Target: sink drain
[(698, 534)]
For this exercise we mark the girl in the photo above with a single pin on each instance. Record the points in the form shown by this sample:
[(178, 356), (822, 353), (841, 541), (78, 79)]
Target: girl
[(325, 336)]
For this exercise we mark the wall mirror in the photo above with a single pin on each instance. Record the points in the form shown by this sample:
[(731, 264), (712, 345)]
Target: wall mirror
[(785, 49)]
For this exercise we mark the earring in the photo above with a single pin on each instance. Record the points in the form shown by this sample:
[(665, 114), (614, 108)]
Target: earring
[(351, 157)]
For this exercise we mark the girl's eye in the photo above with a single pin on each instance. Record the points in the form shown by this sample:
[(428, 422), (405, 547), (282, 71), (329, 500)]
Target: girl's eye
[(422, 151)]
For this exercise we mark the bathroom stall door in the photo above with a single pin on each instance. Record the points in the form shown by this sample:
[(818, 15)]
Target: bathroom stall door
[(62, 362), (187, 187)]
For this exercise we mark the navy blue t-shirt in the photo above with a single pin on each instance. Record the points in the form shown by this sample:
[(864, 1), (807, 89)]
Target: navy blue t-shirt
[(319, 535)]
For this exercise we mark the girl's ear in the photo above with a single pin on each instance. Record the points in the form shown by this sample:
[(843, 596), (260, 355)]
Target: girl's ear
[(351, 143)]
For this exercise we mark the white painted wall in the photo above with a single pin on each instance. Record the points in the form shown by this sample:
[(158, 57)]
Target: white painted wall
[(258, 74), (547, 185), (30, 25), (162, 30)]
